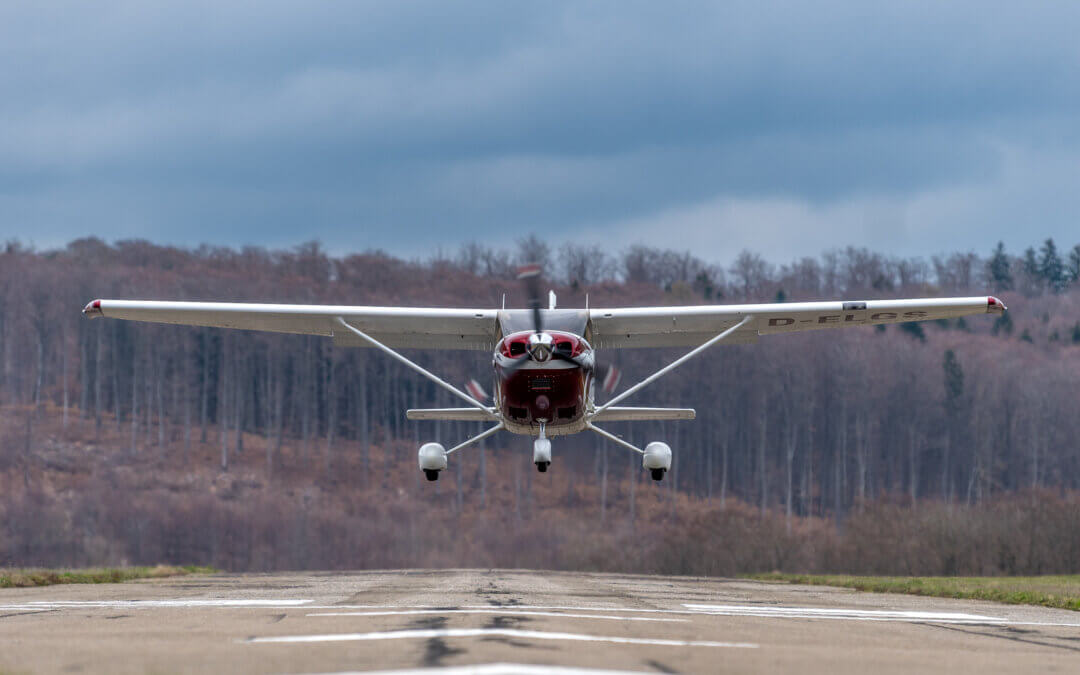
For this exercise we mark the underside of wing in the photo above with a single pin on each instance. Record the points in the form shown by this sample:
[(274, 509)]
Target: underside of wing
[(398, 327), (691, 326), (448, 414)]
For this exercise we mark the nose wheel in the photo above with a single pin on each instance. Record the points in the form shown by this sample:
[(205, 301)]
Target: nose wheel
[(542, 451)]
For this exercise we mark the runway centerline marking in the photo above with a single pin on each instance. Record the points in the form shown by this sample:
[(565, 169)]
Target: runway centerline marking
[(431, 633), (499, 611), (636, 610), (493, 669)]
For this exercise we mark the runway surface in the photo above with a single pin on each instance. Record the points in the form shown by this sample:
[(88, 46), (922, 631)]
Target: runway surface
[(511, 621)]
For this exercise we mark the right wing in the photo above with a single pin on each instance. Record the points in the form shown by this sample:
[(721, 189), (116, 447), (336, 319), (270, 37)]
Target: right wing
[(398, 327), (693, 325)]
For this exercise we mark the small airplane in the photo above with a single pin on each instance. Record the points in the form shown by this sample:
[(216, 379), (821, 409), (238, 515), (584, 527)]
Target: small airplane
[(544, 359)]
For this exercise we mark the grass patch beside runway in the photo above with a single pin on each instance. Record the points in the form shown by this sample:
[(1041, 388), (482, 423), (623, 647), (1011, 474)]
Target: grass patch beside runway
[(15, 578), (1062, 592)]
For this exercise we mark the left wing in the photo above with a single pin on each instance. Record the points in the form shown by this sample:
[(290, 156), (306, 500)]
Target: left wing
[(398, 327), (692, 326)]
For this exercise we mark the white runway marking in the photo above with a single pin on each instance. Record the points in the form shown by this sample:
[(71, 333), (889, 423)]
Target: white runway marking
[(514, 607), (503, 632), (493, 669), (137, 604), (691, 609), (500, 611), (843, 614), (767, 611)]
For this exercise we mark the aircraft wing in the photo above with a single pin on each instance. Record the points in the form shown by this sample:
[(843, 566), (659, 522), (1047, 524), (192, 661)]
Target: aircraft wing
[(398, 327), (693, 325)]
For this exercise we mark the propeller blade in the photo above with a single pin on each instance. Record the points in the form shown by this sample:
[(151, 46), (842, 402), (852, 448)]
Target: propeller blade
[(530, 274), (476, 391), (518, 363), (562, 356), (611, 379)]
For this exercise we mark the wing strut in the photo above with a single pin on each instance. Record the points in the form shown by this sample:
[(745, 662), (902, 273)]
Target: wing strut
[(480, 436), (426, 373), (612, 437), (665, 370)]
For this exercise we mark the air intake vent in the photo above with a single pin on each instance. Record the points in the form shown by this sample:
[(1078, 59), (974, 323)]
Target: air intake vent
[(540, 384)]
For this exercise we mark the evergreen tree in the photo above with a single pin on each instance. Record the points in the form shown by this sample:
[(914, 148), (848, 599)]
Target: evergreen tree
[(1003, 324), (1051, 269), (999, 269), (954, 382), (1031, 268), (914, 329), (1073, 271)]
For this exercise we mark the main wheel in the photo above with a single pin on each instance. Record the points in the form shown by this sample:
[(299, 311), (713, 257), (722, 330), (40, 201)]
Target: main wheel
[(542, 466), (657, 474), (431, 474)]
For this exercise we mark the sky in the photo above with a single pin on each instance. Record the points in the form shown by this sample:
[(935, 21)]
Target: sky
[(786, 128)]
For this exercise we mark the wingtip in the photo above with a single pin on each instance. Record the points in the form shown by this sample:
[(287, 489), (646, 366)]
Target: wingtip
[(93, 309), (995, 305)]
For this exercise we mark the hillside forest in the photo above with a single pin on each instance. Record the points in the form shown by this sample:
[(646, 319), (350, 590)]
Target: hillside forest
[(943, 447)]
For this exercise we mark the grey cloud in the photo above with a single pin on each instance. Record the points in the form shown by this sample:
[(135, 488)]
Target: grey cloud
[(402, 122)]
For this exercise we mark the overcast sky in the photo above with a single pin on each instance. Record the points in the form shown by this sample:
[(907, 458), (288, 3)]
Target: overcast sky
[(787, 128)]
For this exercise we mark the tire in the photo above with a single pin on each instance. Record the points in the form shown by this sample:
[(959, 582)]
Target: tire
[(542, 467), (431, 474), (657, 474)]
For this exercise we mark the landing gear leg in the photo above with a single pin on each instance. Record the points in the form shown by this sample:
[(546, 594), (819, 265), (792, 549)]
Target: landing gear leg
[(542, 451), (656, 457)]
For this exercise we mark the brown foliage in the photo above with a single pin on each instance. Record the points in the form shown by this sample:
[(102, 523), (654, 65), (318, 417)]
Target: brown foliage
[(139, 443)]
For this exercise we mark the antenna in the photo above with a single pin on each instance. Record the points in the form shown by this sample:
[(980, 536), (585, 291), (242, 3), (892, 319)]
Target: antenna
[(586, 302), (504, 301)]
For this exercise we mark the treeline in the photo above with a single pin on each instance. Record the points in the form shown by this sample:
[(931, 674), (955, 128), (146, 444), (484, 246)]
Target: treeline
[(79, 502), (810, 424)]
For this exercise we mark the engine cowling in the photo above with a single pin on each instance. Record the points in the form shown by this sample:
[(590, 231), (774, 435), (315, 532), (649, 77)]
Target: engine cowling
[(432, 457)]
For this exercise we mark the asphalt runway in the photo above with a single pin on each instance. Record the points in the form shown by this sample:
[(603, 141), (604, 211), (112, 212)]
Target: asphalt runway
[(512, 621)]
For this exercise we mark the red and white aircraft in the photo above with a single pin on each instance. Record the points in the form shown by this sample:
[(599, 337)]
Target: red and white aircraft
[(544, 358)]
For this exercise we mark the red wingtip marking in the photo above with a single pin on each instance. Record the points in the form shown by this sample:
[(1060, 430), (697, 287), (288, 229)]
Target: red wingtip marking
[(530, 270)]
